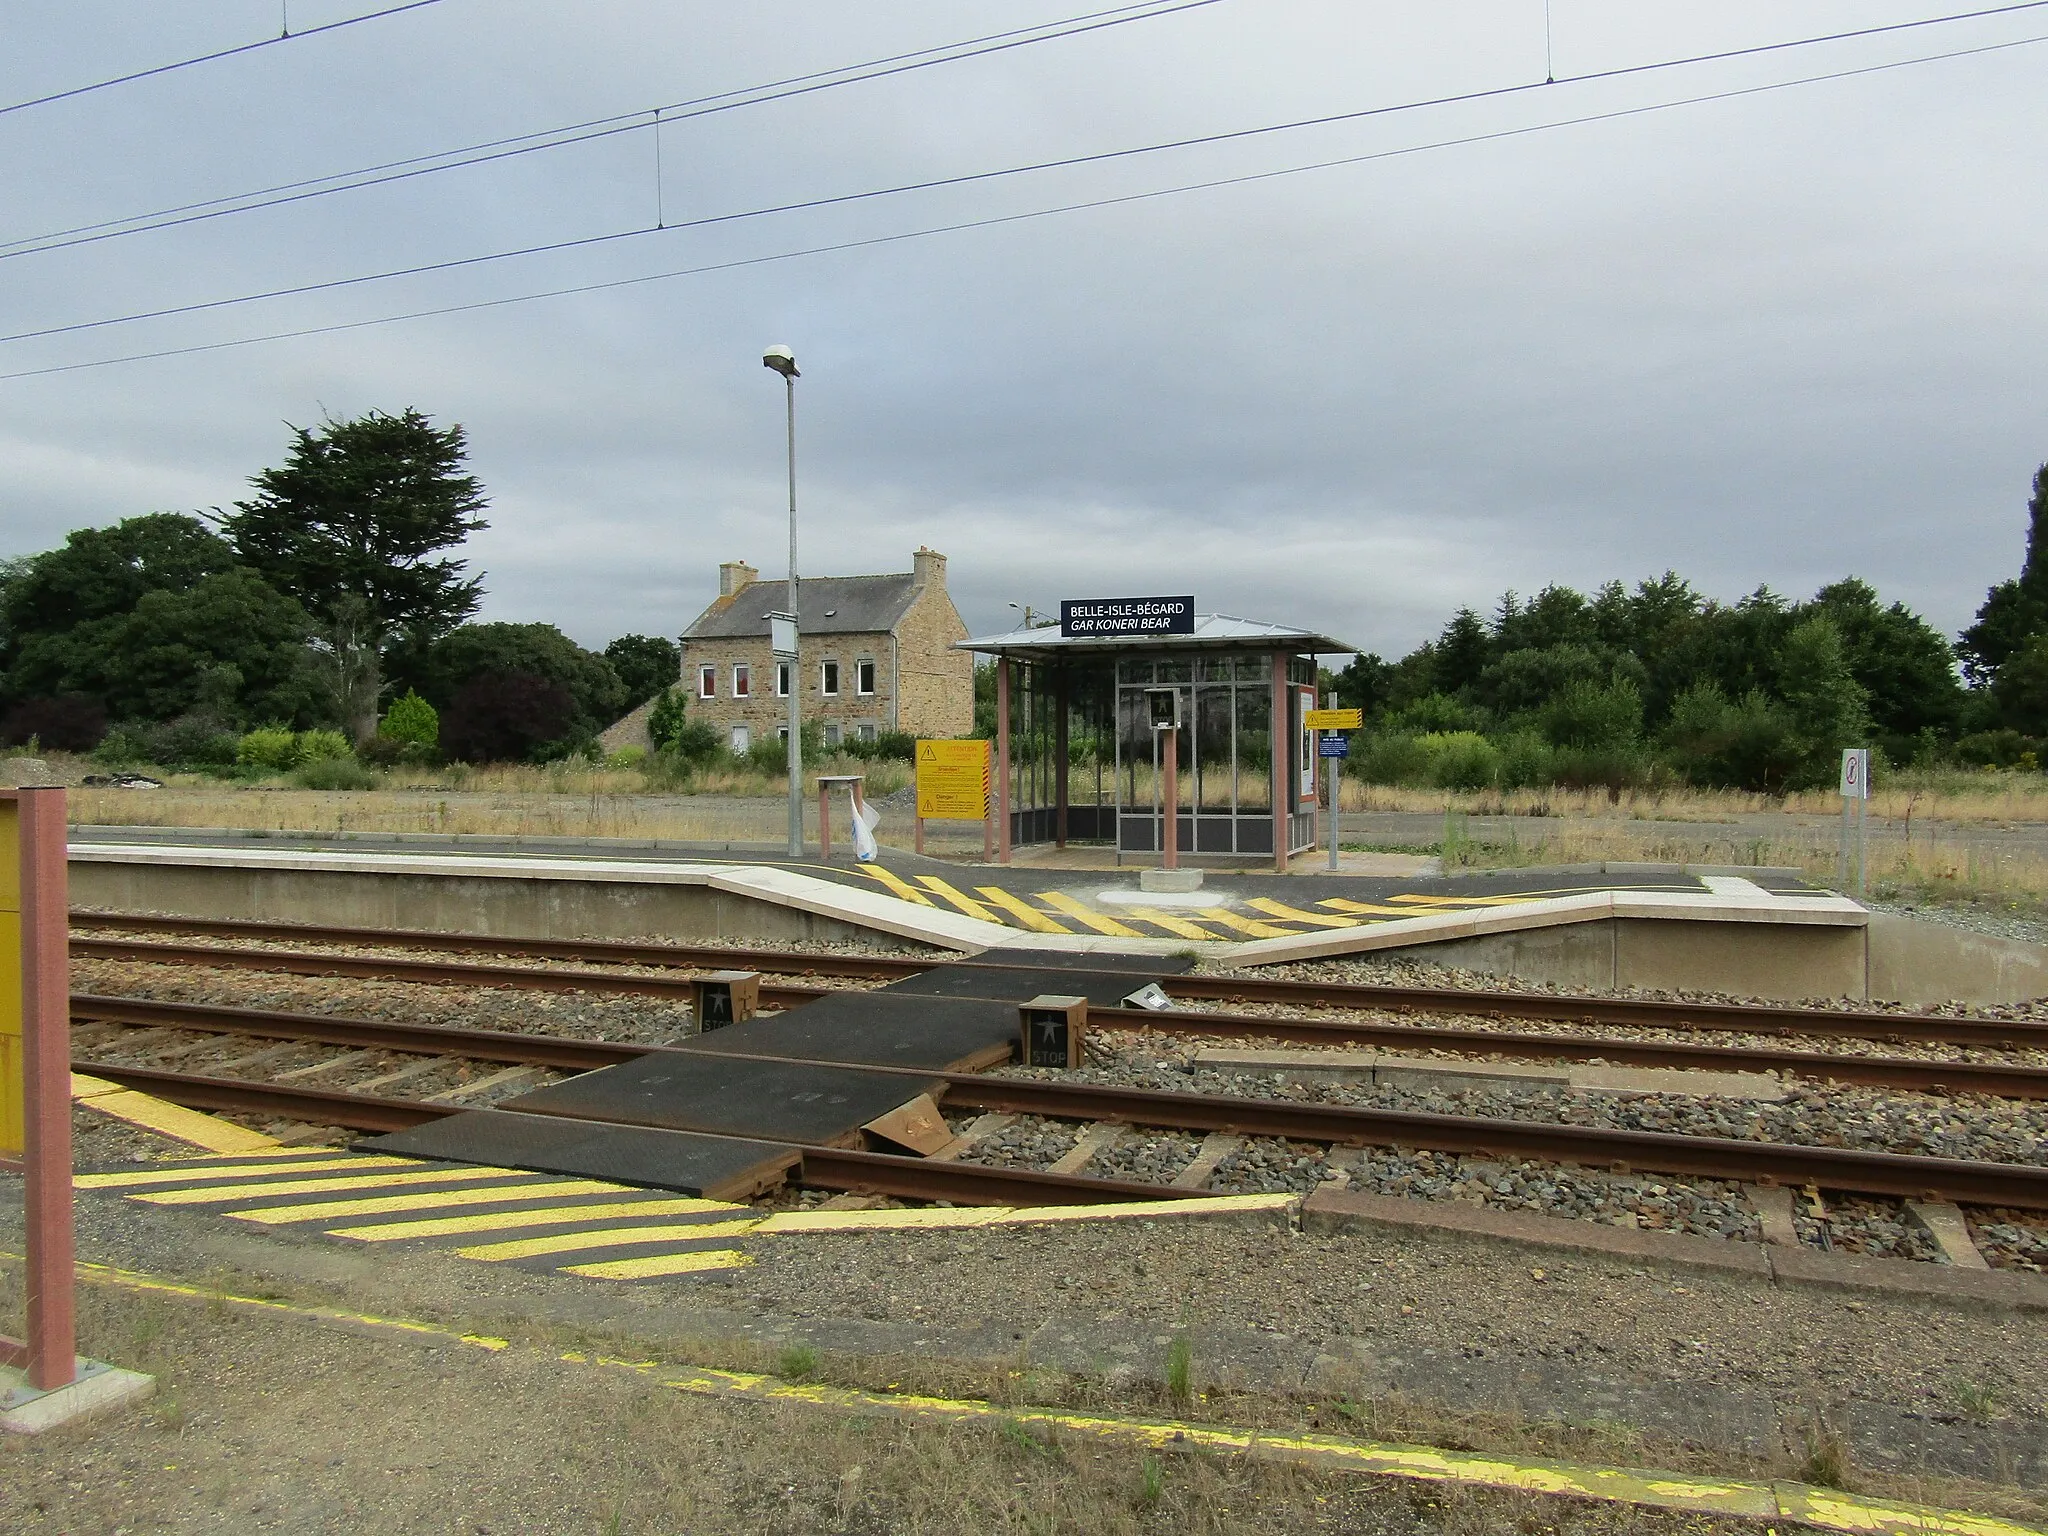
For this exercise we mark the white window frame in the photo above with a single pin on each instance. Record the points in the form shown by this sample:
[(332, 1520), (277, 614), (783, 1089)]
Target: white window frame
[(831, 733), (867, 731), (707, 680), (742, 740), (828, 677), (864, 675), (742, 680), (782, 671)]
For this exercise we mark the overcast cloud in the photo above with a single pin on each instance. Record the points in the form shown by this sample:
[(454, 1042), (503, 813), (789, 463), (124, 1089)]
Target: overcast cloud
[(1774, 339)]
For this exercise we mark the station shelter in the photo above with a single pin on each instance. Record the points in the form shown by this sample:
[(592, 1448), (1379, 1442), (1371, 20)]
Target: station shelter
[(1077, 759)]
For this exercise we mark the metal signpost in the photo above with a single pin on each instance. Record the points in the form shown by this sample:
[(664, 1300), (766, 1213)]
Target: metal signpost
[(1856, 801), (953, 785), (35, 1073), (1333, 748)]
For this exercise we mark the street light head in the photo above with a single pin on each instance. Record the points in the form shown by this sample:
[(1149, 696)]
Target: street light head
[(782, 360)]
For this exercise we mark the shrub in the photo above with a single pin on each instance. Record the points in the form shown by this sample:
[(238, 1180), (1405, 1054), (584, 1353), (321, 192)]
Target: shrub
[(411, 721), (507, 717), (901, 747), (70, 722), (1748, 743), (1461, 759), (335, 773), (665, 720), (319, 746), (122, 745), (630, 756), (191, 741), (1995, 749), (1391, 757), (1526, 761), (768, 754), (273, 747), (695, 743), (1594, 717)]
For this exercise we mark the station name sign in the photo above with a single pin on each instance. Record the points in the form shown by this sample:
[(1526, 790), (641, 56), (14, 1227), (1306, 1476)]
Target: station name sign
[(1105, 617)]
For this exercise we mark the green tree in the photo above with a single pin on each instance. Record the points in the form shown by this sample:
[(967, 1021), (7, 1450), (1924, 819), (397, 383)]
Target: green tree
[(413, 721), (1903, 664), (1827, 704), (1746, 743), (351, 525), (1462, 652), (1367, 684), (596, 696), (2013, 611), (645, 664)]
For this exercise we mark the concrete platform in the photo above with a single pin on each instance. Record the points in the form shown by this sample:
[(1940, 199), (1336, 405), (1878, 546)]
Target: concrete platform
[(98, 1388)]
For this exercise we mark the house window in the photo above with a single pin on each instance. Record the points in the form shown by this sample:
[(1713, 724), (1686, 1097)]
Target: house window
[(828, 679), (832, 734), (740, 741), (864, 676), (867, 733), (742, 680), (707, 681), (782, 679), (782, 734)]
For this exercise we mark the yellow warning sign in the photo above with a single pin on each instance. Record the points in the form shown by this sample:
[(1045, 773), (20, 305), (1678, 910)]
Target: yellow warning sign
[(1332, 719), (12, 1101), (952, 780)]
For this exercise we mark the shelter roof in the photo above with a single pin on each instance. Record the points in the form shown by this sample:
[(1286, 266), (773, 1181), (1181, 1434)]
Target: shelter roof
[(1213, 632), (831, 605)]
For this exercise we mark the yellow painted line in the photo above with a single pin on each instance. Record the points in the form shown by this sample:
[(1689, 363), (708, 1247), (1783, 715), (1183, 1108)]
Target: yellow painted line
[(439, 1199), (1180, 927), (960, 899), (1061, 901), (1153, 1210), (1462, 901), (660, 1265), (1368, 909), (215, 1195), (931, 1218), (514, 1221), (609, 1237), (896, 885), (1280, 909), (1823, 1508), (880, 1221), (1023, 911), (209, 1133), (144, 1178), (1230, 919)]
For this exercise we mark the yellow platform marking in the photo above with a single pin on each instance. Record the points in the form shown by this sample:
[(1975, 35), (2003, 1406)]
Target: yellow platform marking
[(1462, 901), (1023, 911), (1180, 927), (142, 1179), (1230, 919), (209, 1133), (1280, 909), (927, 1219), (513, 1221), (212, 1195), (1823, 1508), (960, 899), (1093, 919), (1370, 909), (438, 1199), (660, 1265), (608, 1237), (934, 1217), (897, 886)]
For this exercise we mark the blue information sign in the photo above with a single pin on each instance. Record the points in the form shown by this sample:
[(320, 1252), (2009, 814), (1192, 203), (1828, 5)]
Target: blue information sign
[(1332, 745)]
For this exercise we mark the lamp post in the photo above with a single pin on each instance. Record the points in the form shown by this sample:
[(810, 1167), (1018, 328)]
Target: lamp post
[(783, 361)]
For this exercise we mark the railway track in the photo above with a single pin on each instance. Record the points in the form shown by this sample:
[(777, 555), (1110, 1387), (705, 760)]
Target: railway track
[(1856, 1171), (1734, 1018)]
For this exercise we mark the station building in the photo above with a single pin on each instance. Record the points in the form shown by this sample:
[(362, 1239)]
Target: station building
[(875, 653)]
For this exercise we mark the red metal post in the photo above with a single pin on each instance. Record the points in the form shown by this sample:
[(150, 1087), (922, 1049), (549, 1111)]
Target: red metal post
[(1169, 751), (1283, 785), (46, 1073), (1059, 772), (1002, 796)]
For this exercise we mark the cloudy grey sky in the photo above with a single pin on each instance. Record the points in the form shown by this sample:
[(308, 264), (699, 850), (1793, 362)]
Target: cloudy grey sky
[(1768, 339)]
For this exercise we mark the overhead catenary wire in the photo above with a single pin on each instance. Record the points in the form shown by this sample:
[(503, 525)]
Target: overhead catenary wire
[(1069, 162), (591, 129), (287, 36), (997, 220)]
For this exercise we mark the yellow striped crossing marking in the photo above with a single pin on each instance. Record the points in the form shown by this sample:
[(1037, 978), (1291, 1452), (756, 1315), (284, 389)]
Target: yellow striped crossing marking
[(1368, 909), (143, 1179), (609, 1237), (436, 1199), (1178, 926), (215, 1196), (1280, 909), (959, 899), (1083, 914), (209, 1133), (1023, 911), (514, 1221), (1245, 925), (661, 1264), (897, 886)]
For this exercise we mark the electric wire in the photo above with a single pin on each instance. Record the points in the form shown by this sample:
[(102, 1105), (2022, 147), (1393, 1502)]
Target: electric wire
[(997, 220), (209, 58), (590, 130), (613, 237)]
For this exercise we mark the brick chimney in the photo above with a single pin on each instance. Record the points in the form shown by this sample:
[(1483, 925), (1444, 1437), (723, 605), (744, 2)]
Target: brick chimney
[(929, 566), (735, 574)]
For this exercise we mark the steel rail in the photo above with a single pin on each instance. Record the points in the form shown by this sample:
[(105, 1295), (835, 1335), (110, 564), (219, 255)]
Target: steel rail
[(823, 1167), (1999, 1080), (595, 951), (1890, 1173), (1735, 1018)]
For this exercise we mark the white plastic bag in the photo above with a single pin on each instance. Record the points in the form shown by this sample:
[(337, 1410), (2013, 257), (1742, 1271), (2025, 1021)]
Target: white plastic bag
[(864, 819)]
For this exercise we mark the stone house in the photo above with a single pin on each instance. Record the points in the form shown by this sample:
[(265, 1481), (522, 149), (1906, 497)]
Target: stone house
[(875, 654)]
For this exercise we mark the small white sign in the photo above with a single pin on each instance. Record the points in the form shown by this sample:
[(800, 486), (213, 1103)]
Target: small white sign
[(782, 636), (1856, 773)]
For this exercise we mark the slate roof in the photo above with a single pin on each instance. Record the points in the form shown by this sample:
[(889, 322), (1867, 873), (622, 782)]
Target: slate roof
[(832, 605)]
